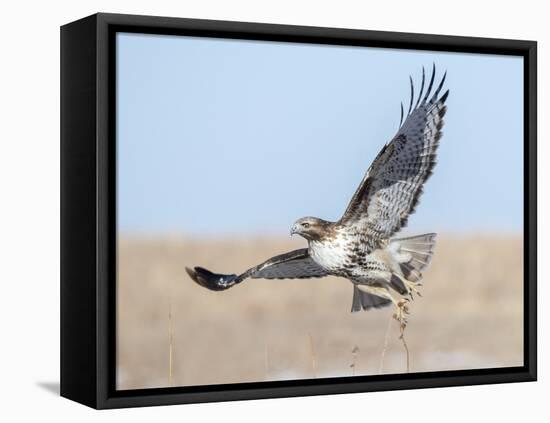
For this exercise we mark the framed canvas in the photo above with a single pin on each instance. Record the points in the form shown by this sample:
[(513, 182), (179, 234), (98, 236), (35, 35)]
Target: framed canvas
[(403, 164)]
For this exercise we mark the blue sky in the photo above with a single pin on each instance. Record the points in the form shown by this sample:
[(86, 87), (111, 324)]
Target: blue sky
[(220, 136)]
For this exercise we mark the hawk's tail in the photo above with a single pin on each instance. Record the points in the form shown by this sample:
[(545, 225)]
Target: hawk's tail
[(365, 301), (413, 254)]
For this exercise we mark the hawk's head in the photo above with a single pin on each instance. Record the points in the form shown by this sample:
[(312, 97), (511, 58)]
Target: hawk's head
[(311, 228)]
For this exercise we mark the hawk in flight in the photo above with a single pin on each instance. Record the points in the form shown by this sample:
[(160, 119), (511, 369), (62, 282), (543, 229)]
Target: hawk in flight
[(359, 246)]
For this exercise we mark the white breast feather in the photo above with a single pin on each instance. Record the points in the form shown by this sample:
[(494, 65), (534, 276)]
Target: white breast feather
[(329, 254)]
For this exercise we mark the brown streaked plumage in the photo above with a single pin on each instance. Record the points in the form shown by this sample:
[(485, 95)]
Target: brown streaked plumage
[(359, 246)]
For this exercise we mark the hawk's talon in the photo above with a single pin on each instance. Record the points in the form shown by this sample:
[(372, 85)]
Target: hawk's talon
[(412, 288)]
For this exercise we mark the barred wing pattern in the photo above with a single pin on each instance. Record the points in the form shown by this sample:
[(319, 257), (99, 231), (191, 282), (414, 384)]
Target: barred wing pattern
[(390, 190), (295, 264)]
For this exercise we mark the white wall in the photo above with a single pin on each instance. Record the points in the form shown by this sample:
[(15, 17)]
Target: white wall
[(29, 175)]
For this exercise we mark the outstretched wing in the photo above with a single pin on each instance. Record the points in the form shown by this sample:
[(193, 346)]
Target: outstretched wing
[(295, 264), (393, 184)]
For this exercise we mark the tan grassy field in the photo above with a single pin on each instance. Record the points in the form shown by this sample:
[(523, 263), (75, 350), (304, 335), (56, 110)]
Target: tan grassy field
[(470, 315)]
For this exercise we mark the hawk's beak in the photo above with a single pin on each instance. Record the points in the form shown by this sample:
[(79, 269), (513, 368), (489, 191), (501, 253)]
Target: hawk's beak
[(293, 230)]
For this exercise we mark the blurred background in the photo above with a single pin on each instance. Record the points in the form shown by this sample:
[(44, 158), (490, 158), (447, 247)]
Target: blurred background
[(222, 144)]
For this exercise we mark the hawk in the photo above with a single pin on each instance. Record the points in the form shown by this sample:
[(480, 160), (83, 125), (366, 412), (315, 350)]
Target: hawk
[(359, 246)]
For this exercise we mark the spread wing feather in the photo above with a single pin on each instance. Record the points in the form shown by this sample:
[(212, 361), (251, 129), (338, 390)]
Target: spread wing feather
[(390, 190), (295, 264)]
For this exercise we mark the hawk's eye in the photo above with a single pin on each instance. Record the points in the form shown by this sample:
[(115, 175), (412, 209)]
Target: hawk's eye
[(305, 225)]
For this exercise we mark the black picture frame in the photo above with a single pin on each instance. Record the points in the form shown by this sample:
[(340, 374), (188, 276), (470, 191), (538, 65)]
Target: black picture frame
[(88, 210)]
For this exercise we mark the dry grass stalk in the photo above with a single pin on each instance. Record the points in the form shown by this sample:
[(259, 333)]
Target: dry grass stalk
[(170, 346), (402, 337), (402, 327), (354, 354), (312, 356), (266, 361), (385, 347), (400, 316)]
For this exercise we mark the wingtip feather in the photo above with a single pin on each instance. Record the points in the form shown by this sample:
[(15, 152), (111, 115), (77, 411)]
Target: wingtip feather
[(412, 95), (430, 85), (439, 87), (209, 280), (192, 274), (444, 97), (421, 88)]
